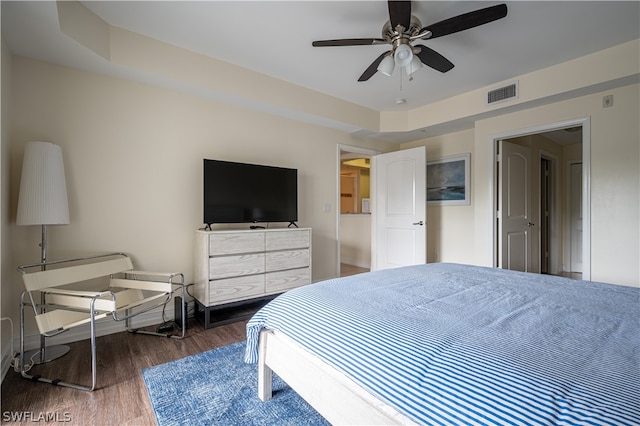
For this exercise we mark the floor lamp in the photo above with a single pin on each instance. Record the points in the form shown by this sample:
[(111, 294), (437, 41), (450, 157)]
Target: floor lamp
[(43, 201)]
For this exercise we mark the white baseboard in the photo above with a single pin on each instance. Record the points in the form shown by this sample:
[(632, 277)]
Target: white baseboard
[(7, 352), (103, 327)]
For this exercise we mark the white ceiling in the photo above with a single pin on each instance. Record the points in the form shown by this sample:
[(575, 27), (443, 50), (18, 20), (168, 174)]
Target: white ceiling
[(274, 38)]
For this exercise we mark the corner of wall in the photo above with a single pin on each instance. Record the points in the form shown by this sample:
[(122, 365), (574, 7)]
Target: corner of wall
[(5, 253)]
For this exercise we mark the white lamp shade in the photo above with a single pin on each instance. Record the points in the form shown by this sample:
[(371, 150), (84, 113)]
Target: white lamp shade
[(387, 65), (403, 55), (414, 65), (43, 189)]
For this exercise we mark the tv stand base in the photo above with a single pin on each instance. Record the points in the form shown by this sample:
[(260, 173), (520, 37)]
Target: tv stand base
[(214, 316)]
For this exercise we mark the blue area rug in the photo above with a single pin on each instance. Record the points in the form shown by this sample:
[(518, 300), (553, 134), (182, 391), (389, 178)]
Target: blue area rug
[(217, 388)]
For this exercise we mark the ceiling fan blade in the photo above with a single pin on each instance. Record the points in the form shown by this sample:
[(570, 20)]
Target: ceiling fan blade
[(466, 21), (433, 59), (373, 68), (399, 13), (349, 42)]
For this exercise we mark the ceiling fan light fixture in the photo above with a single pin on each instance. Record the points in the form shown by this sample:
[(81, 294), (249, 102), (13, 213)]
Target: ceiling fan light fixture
[(387, 65), (414, 65), (403, 55)]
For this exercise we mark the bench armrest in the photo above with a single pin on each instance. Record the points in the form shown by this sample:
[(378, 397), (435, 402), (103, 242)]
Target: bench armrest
[(77, 293), (166, 275)]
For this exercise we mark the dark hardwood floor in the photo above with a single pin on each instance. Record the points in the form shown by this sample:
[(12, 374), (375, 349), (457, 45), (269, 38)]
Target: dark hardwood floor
[(121, 396), (346, 270)]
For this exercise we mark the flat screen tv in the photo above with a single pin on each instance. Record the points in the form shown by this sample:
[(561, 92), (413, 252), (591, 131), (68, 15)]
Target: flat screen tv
[(249, 193)]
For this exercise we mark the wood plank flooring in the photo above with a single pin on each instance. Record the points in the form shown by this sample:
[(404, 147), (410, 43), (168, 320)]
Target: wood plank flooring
[(346, 270), (121, 397)]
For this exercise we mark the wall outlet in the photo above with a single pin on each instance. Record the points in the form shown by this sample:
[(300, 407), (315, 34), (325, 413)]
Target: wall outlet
[(607, 101)]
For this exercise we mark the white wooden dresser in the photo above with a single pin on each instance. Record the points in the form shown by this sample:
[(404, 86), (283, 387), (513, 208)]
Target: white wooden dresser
[(237, 271)]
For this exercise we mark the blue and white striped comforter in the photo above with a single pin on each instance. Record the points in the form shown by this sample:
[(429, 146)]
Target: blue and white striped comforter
[(456, 344)]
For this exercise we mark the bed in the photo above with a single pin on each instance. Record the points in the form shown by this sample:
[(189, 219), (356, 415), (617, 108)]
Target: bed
[(455, 344)]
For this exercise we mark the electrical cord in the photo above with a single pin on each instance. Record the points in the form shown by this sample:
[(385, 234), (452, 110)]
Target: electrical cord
[(15, 359), (186, 288), (167, 325), (190, 311)]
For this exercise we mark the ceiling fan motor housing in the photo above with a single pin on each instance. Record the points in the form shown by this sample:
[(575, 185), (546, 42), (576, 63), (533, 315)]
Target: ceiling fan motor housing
[(391, 35)]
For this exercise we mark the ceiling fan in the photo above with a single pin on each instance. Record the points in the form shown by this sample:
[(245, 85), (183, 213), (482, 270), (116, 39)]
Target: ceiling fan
[(403, 28)]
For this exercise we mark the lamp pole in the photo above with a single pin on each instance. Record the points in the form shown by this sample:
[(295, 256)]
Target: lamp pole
[(43, 201), (44, 353)]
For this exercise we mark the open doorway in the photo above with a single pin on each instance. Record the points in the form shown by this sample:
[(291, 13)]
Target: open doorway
[(354, 214), (538, 226)]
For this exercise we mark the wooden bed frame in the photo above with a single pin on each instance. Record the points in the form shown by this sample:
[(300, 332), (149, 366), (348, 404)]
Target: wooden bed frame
[(335, 396)]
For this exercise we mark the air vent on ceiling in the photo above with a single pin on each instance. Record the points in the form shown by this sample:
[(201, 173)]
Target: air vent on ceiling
[(504, 93)]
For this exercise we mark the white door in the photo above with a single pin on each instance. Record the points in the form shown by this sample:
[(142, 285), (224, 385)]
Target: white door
[(514, 207), (575, 216), (399, 209)]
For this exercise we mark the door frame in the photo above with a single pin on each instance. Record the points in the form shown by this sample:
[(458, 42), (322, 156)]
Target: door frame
[(567, 202), (585, 123), (356, 150), (555, 246)]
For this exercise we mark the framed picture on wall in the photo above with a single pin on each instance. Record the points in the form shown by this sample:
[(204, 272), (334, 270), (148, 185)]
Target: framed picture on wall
[(448, 181)]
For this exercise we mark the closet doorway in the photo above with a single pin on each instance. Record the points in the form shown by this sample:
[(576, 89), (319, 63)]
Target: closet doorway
[(539, 188)]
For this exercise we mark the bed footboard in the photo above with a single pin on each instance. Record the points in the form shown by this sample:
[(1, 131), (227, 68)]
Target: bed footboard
[(335, 396)]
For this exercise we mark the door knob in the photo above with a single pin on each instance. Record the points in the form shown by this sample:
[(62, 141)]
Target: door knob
[(530, 224), (419, 223)]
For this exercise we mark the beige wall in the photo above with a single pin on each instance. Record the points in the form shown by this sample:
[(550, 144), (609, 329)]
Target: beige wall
[(465, 233), (615, 174), (133, 157), (587, 74), (355, 239), (7, 276)]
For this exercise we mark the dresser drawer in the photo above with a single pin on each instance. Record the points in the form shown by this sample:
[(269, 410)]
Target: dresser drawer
[(232, 243), (291, 239), (281, 281), (287, 259), (234, 266), (239, 288)]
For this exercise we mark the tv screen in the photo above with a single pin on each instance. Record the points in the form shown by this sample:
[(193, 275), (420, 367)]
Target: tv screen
[(246, 193)]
